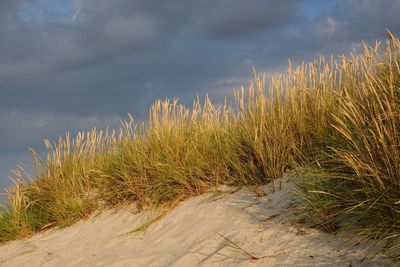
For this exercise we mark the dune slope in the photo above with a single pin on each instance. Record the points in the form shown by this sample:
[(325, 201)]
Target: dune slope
[(224, 228)]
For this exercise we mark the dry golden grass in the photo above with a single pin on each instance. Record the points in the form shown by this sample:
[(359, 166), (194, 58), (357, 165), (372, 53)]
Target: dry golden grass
[(335, 122)]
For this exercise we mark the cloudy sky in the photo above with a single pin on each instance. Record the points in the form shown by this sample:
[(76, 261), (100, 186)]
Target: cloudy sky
[(72, 65)]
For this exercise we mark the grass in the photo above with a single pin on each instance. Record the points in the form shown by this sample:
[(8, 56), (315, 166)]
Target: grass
[(336, 122), (237, 249)]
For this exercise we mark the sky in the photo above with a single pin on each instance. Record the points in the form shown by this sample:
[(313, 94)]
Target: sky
[(70, 65)]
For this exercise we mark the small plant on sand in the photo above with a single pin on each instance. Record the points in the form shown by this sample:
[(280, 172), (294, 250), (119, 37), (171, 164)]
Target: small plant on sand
[(236, 248)]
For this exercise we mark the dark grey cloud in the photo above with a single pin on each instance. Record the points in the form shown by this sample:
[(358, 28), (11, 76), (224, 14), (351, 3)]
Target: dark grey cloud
[(76, 64), (230, 19), (8, 9)]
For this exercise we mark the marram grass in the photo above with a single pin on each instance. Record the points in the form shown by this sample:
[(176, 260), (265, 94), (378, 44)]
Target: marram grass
[(336, 122)]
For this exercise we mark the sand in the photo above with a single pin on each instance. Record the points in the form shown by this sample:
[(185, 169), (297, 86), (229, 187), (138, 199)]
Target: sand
[(195, 233)]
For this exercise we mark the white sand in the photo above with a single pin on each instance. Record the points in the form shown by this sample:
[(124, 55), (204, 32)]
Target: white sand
[(190, 235)]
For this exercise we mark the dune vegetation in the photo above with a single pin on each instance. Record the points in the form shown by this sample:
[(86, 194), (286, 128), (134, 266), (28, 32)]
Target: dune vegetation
[(335, 123)]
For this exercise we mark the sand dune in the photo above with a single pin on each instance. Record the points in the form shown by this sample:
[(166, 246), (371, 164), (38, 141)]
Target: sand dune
[(202, 231)]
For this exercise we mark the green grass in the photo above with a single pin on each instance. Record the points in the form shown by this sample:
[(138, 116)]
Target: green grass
[(335, 122)]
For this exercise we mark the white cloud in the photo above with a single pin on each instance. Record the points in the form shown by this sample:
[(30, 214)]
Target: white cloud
[(78, 7), (328, 27)]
